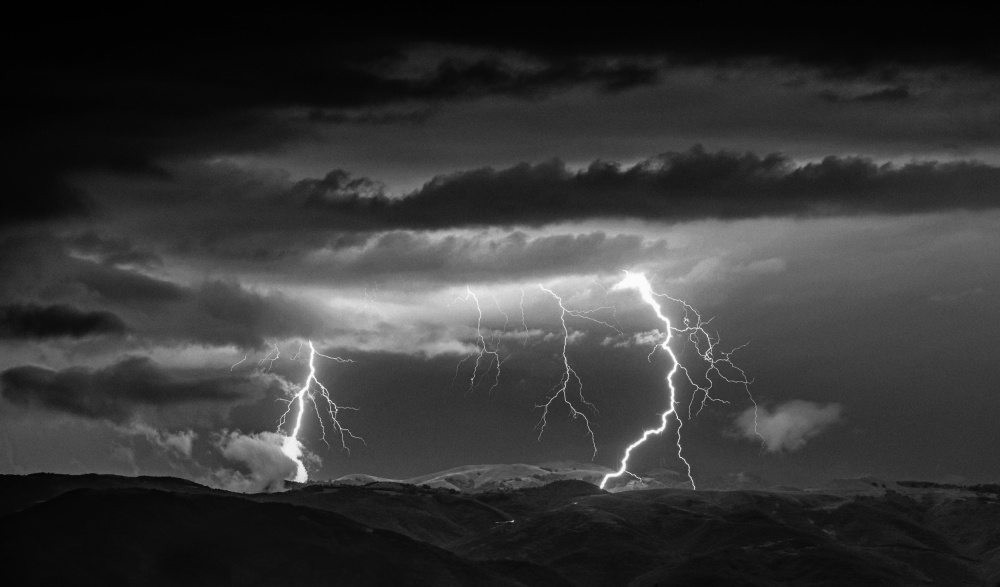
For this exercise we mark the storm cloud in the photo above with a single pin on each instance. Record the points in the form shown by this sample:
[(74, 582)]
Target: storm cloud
[(185, 200), (85, 109), (155, 309), (353, 228), (452, 258), (116, 392), (672, 187), (32, 321)]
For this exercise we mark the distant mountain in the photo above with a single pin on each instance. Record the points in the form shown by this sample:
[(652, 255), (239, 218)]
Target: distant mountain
[(476, 478), (105, 530)]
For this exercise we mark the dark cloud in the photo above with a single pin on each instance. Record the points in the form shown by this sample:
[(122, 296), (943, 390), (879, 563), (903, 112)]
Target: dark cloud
[(34, 321), (82, 107), (37, 198), (348, 227), (116, 392), (492, 76), (213, 312), (89, 96), (42, 266), (840, 41), (227, 313), (673, 187), (339, 188), (121, 286), (45, 269), (368, 117)]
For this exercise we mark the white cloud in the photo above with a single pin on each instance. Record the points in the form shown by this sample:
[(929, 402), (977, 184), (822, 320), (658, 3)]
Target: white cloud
[(271, 457), (790, 425), (648, 338), (574, 337)]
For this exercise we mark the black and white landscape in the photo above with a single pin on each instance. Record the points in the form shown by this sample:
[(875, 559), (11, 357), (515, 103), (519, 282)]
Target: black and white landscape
[(262, 275), (556, 531)]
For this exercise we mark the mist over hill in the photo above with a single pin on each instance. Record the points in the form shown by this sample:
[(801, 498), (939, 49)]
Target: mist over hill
[(109, 530)]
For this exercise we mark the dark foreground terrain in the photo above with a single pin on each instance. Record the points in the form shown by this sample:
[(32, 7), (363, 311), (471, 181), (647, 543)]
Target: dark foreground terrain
[(106, 530)]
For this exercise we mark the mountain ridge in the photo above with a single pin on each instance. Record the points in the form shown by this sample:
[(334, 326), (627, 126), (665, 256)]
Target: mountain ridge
[(102, 529)]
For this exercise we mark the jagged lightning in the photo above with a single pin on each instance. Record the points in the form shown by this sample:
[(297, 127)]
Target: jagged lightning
[(694, 330), (269, 359), (569, 376), (481, 347), (506, 318), (292, 446), (240, 362)]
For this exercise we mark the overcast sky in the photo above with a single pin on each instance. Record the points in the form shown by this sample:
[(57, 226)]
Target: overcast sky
[(180, 207)]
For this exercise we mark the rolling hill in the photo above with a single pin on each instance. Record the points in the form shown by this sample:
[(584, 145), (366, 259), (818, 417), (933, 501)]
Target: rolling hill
[(107, 530)]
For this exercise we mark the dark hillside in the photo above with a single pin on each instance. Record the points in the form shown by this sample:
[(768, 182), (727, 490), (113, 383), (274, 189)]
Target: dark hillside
[(101, 530)]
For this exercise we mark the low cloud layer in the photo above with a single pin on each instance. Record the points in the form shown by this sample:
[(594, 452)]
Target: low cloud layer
[(65, 126), (117, 392), (790, 425), (32, 321), (155, 309), (351, 229), (691, 185), (417, 256)]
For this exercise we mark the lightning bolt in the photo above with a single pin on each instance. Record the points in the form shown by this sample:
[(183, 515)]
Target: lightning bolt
[(268, 359), (705, 346), (238, 363), (292, 446), (481, 346), (506, 318), (561, 389)]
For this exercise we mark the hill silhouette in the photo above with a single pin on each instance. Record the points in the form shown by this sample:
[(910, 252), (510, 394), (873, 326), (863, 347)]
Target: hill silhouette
[(107, 530)]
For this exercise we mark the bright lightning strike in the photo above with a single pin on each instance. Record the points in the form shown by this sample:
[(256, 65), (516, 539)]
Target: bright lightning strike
[(292, 446), (694, 330)]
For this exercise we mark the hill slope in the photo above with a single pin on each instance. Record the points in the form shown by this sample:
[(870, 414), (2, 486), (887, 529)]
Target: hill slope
[(111, 530)]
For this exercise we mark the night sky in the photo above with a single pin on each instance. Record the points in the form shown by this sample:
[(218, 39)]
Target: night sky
[(182, 200)]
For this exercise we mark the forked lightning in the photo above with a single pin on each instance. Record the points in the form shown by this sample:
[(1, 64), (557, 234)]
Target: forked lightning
[(292, 446), (694, 330)]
